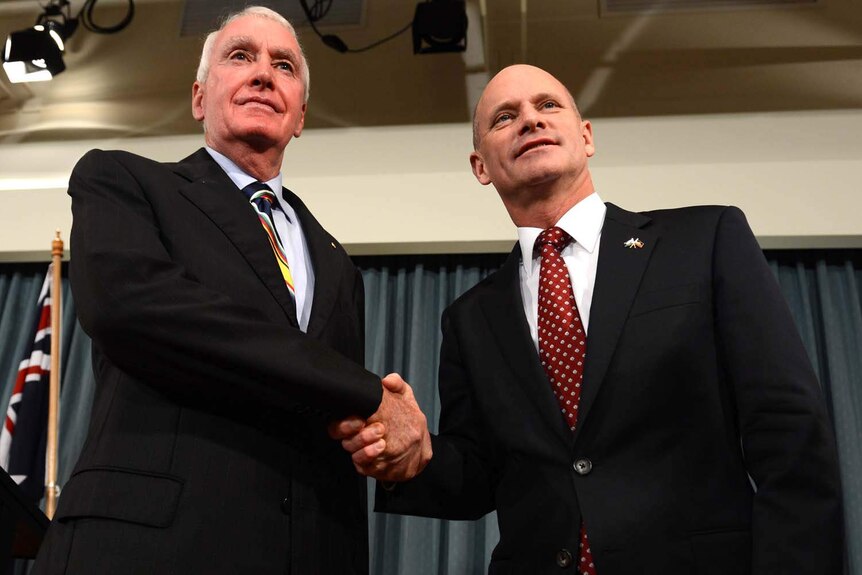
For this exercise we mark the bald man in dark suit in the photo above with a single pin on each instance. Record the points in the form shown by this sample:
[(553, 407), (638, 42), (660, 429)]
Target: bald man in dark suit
[(629, 391)]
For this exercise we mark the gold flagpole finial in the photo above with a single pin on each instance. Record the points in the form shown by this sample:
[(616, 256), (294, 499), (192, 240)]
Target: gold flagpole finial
[(57, 245)]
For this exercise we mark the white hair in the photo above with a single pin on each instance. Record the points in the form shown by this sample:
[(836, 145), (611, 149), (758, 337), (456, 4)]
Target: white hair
[(257, 12)]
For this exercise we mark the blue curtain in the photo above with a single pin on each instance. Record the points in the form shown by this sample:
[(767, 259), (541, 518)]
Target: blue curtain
[(404, 299), (825, 297), (403, 303)]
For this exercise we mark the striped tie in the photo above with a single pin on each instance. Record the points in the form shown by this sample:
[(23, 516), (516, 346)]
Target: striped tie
[(262, 198)]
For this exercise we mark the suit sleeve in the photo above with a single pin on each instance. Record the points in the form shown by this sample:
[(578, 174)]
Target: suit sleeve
[(458, 483), (158, 324), (786, 436)]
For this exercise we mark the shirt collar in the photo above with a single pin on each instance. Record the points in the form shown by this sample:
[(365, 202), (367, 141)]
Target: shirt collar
[(239, 177), (583, 222)]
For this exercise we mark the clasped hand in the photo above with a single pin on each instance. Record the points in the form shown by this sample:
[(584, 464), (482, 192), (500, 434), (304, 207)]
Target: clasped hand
[(394, 443)]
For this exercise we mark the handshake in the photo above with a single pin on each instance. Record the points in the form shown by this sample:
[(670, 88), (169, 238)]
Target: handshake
[(394, 443)]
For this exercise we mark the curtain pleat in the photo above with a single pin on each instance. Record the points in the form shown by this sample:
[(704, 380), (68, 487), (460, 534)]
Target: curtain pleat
[(404, 299), (840, 294)]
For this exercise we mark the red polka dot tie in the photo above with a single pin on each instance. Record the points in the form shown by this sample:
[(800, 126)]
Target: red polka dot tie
[(562, 344)]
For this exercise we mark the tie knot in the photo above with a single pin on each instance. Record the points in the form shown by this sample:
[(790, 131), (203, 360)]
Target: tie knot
[(554, 237), (256, 190)]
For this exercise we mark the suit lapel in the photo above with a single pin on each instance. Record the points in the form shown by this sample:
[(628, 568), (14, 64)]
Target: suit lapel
[(618, 277), (213, 192), (503, 308), (325, 261)]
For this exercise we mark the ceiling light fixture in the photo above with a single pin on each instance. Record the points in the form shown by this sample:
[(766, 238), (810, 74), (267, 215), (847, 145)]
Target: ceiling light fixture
[(36, 54), (32, 55), (440, 26)]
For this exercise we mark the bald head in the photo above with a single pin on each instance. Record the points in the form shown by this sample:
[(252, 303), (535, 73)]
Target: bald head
[(531, 143), (522, 71)]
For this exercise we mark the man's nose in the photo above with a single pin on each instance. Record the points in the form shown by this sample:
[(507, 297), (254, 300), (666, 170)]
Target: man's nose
[(531, 120), (262, 75)]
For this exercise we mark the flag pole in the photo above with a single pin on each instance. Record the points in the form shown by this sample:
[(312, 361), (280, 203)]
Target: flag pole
[(51, 489)]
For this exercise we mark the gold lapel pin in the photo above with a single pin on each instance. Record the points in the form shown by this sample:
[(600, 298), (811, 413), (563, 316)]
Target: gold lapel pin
[(634, 244), (332, 244)]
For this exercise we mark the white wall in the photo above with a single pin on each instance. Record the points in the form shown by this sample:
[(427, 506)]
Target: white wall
[(409, 189)]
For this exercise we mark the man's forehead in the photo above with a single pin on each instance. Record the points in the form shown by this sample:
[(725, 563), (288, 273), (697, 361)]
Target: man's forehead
[(519, 83), (240, 32), (256, 42)]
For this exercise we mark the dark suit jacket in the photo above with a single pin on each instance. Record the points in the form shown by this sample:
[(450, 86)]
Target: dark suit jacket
[(207, 450), (695, 378)]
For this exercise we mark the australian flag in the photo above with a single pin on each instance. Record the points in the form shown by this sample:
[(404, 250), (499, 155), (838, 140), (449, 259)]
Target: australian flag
[(24, 434)]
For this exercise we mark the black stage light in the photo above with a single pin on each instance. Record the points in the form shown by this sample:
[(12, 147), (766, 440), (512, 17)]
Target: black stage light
[(440, 26), (33, 55), (36, 54)]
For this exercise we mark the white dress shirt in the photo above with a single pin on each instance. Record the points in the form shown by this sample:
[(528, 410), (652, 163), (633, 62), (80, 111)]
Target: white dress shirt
[(289, 230), (584, 223)]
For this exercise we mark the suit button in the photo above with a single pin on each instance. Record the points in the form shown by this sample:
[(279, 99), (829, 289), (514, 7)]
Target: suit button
[(564, 558), (285, 505), (583, 466)]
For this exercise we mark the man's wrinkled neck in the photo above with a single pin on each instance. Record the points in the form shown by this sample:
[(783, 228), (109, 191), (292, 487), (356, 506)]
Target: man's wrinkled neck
[(544, 206), (262, 163)]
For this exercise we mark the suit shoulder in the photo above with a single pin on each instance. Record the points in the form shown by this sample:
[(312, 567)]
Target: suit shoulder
[(694, 219), (699, 213), (97, 160)]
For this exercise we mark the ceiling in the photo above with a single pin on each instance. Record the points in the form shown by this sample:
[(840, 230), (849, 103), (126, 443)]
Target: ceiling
[(692, 61)]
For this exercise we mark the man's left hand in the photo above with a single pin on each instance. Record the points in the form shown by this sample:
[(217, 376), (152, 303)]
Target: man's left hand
[(394, 444)]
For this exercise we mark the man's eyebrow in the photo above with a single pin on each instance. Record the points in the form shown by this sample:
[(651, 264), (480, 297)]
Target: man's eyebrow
[(284, 54), (248, 43), (235, 42), (513, 104), (537, 98), (507, 105)]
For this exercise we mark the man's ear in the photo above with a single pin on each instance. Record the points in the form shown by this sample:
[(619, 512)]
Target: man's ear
[(298, 131), (478, 165), (197, 101), (587, 133)]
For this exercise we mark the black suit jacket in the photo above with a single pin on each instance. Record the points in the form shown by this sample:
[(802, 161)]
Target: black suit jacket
[(207, 450), (695, 378)]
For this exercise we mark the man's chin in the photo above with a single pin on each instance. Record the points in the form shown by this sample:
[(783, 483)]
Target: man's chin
[(261, 138), (540, 177)]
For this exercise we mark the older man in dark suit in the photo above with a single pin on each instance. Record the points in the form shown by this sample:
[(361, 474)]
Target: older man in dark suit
[(227, 330), (628, 391)]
